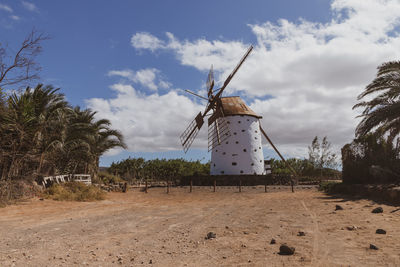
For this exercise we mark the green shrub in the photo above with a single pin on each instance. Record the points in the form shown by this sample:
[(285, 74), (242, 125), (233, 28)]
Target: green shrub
[(74, 191), (329, 186), (108, 178)]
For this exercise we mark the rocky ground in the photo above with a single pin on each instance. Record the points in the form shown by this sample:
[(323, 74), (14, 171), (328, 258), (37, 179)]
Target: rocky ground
[(171, 230)]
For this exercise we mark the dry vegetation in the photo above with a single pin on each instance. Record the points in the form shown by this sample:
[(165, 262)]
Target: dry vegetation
[(74, 191)]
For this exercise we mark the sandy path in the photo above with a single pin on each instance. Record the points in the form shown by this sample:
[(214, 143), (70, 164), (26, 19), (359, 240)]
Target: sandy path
[(168, 230)]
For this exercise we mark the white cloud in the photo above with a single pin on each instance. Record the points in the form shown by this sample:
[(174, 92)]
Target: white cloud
[(148, 122), (144, 40), (303, 77), (30, 6), (148, 78), (6, 8), (14, 17)]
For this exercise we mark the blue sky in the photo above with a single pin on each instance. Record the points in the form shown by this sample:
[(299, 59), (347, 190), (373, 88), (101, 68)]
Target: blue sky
[(98, 56)]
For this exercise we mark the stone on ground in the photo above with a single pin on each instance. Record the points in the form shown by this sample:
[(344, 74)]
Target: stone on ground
[(381, 231), (211, 235), (377, 210), (284, 249)]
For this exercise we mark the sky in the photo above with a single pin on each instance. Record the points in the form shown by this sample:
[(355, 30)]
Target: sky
[(131, 60)]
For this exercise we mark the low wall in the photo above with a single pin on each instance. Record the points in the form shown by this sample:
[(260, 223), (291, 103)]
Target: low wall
[(234, 180)]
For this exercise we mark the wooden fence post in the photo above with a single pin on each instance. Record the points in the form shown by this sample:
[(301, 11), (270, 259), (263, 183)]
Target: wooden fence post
[(265, 189), (215, 184), (145, 189), (240, 185), (191, 185), (167, 186), (291, 183)]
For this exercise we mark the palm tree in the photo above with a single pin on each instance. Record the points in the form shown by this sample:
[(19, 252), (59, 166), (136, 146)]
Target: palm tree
[(102, 139), (382, 114), (26, 125)]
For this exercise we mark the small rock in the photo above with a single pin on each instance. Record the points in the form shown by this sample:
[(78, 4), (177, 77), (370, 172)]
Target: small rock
[(301, 233), (41, 199), (286, 250), (151, 262), (211, 235), (351, 228), (273, 241), (377, 210), (381, 231), (226, 227), (372, 246), (338, 207), (395, 210)]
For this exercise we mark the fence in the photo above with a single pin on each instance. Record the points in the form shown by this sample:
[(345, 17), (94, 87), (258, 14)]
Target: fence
[(49, 180)]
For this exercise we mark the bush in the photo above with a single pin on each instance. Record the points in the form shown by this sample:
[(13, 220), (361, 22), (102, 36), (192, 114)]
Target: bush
[(108, 178), (74, 191), (15, 190), (369, 160), (329, 186)]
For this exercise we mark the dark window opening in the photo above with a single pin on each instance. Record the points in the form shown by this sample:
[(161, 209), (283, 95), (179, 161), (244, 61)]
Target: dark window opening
[(244, 150), (237, 142), (226, 142), (234, 133), (255, 150), (214, 164), (234, 163), (223, 153), (243, 131), (255, 137), (252, 164), (238, 121), (222, 172), (241, 171)]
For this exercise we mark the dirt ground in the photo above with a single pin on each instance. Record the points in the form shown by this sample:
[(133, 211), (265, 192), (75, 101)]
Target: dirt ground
[(169, 230)]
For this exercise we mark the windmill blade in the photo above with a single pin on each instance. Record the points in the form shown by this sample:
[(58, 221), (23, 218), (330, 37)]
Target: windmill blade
[(218, 132), (188, 136), (210, 82), (235, 70), (190, 92), (277, 151)]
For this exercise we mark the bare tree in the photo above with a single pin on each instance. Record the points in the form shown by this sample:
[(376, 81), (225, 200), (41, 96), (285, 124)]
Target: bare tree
[(21, 66)]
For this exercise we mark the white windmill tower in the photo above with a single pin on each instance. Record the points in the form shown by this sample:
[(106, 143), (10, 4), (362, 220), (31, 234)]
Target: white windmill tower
[(234, 132)]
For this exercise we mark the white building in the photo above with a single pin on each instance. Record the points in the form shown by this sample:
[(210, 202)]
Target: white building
[(241, 153)]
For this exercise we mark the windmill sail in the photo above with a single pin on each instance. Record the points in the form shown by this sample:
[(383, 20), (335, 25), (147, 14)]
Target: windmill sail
[(218, 132), (188, 136), (210, 82)]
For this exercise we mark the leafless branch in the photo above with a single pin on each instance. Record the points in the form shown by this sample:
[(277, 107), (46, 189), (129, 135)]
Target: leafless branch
[(22, 66)]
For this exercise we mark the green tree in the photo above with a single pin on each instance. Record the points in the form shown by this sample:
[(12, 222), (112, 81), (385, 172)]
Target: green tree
[(381, 114), (320, 154)]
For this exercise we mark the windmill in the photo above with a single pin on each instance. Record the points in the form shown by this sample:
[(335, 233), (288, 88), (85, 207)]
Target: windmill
[(234, 131)]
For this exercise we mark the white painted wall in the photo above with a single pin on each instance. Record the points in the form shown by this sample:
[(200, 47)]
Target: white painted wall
[(242, 152)]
